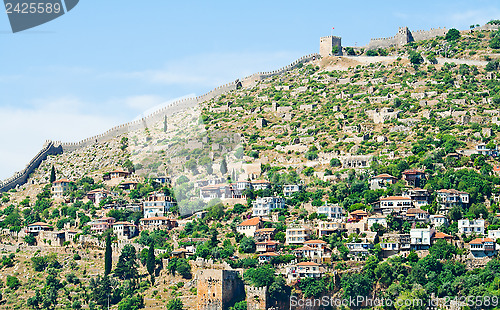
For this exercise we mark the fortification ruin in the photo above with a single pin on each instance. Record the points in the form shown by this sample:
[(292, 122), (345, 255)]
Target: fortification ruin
[(405, 36)]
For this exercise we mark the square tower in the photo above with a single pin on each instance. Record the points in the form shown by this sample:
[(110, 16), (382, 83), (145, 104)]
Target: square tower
[(330, 46)]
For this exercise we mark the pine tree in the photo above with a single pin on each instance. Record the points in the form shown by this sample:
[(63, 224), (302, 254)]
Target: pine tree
[(52, 174), (223, 166), (108, 259), (150, 261)]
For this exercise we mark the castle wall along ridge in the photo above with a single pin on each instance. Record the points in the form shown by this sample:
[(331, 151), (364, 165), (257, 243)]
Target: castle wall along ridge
[(56, 147)]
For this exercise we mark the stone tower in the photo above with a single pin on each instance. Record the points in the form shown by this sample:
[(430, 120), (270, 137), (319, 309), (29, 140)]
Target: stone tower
[(327, 44), (217, 288), (404, 36), (256, 297)]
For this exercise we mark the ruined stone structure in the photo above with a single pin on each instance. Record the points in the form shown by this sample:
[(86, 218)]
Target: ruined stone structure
[(405, 36), (218, 288), (327, 44), (256, 297)]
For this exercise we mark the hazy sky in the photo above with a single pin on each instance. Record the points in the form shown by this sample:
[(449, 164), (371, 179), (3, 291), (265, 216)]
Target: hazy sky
[(106, 62)]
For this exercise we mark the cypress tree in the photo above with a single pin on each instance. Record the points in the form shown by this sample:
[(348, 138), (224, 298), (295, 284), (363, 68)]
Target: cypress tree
[(108, 259), (223, 166), (150, 261), (52, 174), (165, 126)]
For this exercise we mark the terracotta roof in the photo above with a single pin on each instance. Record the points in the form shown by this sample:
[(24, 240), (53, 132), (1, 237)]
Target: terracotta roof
[(481, 240), (268, 242), (123, 223), (308, 264), (413, 171), (395, 198), (441, 235), (39, 224), (119, 171), (304, 248), (129, 182), (61, 181), (251, 222), (384, 175), (359, 212), (315, 241), (451, 191), (265, 230), (438, 215), (416, 211), (268, 254), (157, 218)]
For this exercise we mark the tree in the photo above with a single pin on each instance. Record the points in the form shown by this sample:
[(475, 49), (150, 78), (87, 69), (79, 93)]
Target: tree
[(126, 268), (495, 42), (442, 250), (223, 166), (175, 304), (29, 239), (260, 276), (452, 35), (150, 261), (356, 284), (416, 58), (108, 256), (12, 282), (165, 125), (183, 268), (52, 175), (247, 245)]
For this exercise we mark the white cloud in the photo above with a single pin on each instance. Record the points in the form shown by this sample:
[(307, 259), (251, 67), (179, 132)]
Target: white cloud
[(143, 102)]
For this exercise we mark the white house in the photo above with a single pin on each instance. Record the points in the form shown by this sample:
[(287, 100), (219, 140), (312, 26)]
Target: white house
[(157, 205), (482, 247), (494, 234), (326, 228), (303, 270), (471, 226), (124, 230), (448, 198), (289, 190), (438, 220), (421, 238), (381, 220), (263, 206), (297, 234), (249, 226), (398, 204), (331, 211), (381, 181)]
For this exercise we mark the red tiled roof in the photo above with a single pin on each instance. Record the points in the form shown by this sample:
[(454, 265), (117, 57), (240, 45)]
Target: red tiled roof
[(268, 254), (441, 235), (395, 198), (384, 175), (415, 211), (481, 240), (315, 241), (359, 212), (265, 230), (39, 224), (304, 248), (251, 222), (157, 218), (413, 171), (308, 264), (61, 181)]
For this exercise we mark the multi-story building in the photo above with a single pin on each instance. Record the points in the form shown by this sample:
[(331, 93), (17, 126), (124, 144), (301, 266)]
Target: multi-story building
[(60, 187), (359, 250), (494, 234), (421, 238), (250, 226), (290, 189), (97, 195), (482, 149), (419, 197), (326, 228), (124, 230), (158, 223), (396, 204), (417, 215), (331, 211), (157, 204), (261, 185), (482, 247), (263, 206), (449, 198), (466, 226), (221, 191), (37, 227), (438, 220), (414, 177), (297, 234), (264, 234), (380, 220), (101, 225), (266, 246), (381, 181), (303, 270)]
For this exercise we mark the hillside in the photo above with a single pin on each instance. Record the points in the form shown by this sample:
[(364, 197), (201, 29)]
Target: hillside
[(407, 127)]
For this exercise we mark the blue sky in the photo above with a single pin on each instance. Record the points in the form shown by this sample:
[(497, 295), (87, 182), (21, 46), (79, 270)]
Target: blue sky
[(106, 62)]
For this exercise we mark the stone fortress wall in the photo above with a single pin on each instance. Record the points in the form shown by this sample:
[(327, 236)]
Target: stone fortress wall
[(57, 147), (405, 36)]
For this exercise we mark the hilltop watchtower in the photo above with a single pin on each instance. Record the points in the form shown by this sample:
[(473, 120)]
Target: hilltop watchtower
[(330, 46), (404, 36)]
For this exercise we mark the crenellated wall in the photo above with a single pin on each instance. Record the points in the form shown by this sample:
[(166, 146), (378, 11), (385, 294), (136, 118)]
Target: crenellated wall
[(21, 177), (405, 36), (56, 147)]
